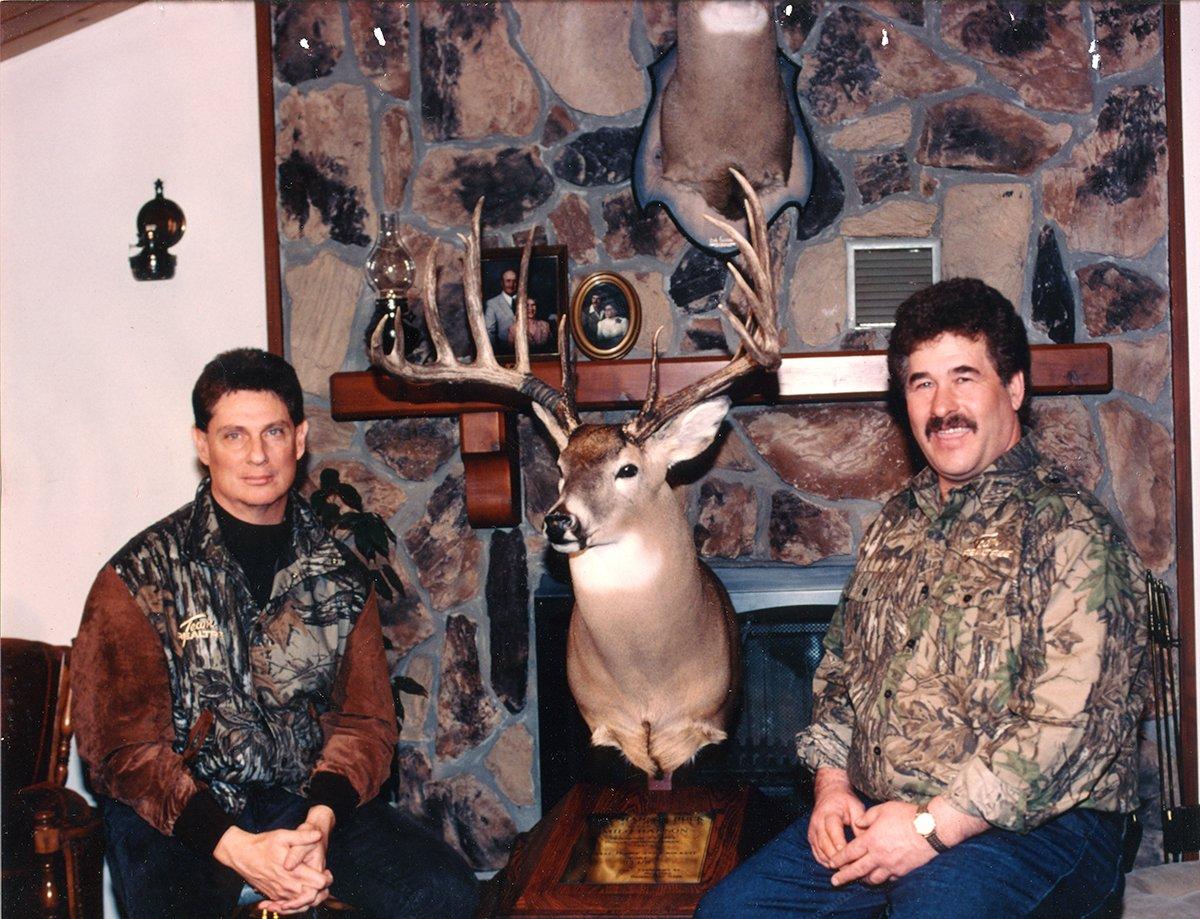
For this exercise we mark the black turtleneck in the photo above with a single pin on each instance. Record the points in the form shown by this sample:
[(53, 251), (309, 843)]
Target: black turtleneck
[(258, 548)]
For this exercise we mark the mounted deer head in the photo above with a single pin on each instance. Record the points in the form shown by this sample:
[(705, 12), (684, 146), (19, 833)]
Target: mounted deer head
[(652, 656)]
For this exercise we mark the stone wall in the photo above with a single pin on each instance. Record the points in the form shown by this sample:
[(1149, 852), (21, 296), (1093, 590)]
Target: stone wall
[(1033, 147)]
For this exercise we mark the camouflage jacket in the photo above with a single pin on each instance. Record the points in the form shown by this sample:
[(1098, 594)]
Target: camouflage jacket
[(989, 649), (186, 692)]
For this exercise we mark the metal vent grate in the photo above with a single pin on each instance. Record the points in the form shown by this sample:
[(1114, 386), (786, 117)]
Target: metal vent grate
[(882, 273)]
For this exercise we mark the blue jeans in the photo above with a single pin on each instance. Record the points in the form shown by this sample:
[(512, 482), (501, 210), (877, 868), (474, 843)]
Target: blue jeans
[(382, 862), (1068, 867)]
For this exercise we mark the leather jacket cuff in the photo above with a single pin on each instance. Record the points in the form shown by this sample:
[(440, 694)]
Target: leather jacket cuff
[(334, 791), (202, 823)]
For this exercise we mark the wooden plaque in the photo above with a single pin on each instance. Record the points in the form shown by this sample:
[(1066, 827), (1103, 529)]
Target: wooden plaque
[(627, 851)]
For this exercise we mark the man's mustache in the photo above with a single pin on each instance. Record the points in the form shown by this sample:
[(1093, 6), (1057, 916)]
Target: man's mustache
[(953, 420)]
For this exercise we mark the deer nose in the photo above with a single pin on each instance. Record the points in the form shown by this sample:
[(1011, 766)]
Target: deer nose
[(558, 527)]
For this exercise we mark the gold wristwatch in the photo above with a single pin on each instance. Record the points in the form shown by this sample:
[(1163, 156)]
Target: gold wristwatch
[(926, 827)]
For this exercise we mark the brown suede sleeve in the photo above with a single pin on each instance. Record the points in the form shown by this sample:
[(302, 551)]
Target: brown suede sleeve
[(121, 707), (360, 729)]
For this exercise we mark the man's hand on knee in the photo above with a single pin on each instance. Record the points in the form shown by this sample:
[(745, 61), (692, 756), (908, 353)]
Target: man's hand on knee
[(305, 901), (836, 807), (320, 818), (260, 858), (885, 846)]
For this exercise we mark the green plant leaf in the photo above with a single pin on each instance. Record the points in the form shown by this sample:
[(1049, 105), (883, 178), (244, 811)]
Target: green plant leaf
[(378, 533), (409, 685), (381, 585), (330, 478), (363, 547), (350, 496), (392, 578), (398, 703)]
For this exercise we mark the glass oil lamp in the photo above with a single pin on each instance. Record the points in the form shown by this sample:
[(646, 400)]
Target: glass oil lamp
[(390, 271)]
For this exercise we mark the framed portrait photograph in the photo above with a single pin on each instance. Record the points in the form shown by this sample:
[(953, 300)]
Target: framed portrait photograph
[(546, 297), (606, 316)]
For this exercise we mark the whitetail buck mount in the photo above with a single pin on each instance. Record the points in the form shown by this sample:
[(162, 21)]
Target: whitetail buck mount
[(652, 646)]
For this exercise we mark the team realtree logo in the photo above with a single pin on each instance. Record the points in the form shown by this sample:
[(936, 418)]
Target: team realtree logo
[(988, 546), (199, 626)]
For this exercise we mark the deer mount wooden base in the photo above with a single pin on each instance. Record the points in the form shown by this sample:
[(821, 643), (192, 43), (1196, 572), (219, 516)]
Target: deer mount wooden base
[(488, 428), (629, 851)]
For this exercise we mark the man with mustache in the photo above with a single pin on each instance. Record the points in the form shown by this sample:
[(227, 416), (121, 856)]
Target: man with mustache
[(974, 732), (231, 692)]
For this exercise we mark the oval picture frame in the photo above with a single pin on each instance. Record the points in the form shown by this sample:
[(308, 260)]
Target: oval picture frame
[(599, 333)]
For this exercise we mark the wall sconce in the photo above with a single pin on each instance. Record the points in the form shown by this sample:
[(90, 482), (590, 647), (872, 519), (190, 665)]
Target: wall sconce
[(160, 225)]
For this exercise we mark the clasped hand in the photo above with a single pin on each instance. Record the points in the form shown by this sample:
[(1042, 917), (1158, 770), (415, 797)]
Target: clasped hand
[(885, 845), (288, 866)]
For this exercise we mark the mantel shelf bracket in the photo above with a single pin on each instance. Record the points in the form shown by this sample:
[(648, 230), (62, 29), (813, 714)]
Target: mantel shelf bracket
[(488, 431)]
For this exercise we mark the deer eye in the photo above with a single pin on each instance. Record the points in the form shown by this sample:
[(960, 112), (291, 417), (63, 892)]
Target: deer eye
[(628, 471)]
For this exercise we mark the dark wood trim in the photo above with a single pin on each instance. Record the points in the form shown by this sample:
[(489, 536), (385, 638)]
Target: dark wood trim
[(488, 443), (270, 195), (819, 376), (1177, 257), (28, 25)]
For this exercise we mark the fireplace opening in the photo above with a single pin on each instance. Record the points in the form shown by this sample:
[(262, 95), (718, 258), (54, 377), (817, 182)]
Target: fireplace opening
[(783, 614)]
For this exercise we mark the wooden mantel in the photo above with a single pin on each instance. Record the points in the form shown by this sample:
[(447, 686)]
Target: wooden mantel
[(488, 433)]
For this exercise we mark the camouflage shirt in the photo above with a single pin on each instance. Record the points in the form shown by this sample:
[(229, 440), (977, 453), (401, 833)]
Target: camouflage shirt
[(989, 649)]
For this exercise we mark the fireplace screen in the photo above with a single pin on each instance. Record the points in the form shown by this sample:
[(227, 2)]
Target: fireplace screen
[(781, 648), (783, 614)]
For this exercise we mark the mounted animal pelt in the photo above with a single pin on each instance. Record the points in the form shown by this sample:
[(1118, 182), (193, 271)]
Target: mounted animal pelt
[(652, 648), (723, 96)]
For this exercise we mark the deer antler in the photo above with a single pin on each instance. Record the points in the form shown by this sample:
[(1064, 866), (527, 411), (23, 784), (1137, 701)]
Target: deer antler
[(560, 416), (757, 327)]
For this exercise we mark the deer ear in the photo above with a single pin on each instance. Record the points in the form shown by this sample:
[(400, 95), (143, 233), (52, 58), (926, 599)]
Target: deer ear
[(688, 434)]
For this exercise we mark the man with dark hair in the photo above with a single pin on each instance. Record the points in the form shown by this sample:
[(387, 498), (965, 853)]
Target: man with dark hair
[(249, 369), (231, 693), (974, 733)]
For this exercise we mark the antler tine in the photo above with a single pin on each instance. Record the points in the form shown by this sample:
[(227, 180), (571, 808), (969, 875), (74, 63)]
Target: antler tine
[(767, 301), (559, 415), (652, 383), (647, 409), (566, 364), (522, 342), (473, 293), (758, 330), (762, 316), (756, 219), (442, 351), (395, 362)]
